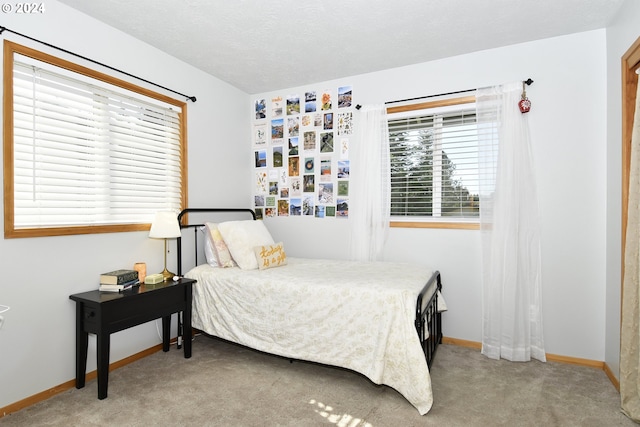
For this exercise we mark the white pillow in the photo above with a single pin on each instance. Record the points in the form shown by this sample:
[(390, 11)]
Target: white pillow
[(242, 237)]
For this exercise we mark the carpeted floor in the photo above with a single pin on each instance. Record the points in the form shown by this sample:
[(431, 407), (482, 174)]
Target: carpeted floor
[(228, 385)]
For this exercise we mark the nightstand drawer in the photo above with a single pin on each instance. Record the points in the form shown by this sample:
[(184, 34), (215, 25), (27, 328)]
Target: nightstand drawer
[(136, 309), (90, 318)]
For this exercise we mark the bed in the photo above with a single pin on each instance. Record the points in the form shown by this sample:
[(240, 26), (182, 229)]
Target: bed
[(380, 319)]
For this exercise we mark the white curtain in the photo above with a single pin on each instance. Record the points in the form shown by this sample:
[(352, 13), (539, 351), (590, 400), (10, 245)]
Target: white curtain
[(370, 184), (509, 222), (630, 330)]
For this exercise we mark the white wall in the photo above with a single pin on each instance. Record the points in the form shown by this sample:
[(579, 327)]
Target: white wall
[(37, 341), (621, 34), (568, 123)]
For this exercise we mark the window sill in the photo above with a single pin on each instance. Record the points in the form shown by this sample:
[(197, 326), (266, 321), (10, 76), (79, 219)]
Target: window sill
[(433, 224)]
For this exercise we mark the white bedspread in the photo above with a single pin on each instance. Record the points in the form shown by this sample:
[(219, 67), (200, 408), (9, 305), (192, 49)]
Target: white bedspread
[(358, 316)]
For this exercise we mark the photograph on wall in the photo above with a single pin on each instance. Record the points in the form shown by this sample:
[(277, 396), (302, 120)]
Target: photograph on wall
[(261, 182), (260, 134), (270, 212), (344, 148), (343, 188), (325, 192), (309, 138), (294, 166), (293, 125), (326, 142), (295, 207), (310, 102), (319, 211), (276, 107), (270, 201), (326, 101), (295, 185), (344, 96), (325, 169), (306, 120), (258, 213), (345, 121), (293, 146), (258, 200), (317, 120), (309, 165), (283, 176), (283, 207), (293, 105), (309, 183), (284, 192), (261, 109), (330, 211), (273, 188), (307, 205), (261, 158), (343, 169), (327, 121), (277, 157), (342, 208), (277, 131)]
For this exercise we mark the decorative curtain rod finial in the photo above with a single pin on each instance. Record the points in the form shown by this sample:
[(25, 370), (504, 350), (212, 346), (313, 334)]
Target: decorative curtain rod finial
[(528, 82), (358, 107), (191, 98)]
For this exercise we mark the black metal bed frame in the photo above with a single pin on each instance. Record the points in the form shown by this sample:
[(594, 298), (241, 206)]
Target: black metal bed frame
[(428, 321)]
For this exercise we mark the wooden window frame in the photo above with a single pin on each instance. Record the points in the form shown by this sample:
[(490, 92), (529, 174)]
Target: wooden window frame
[(10, 49)]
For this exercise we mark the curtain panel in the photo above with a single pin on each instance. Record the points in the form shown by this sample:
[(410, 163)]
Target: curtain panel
[(369, 206), (509, 223), (630, 329)]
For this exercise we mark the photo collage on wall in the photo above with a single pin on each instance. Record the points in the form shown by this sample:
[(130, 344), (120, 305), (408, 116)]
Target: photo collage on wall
[(301, 154)]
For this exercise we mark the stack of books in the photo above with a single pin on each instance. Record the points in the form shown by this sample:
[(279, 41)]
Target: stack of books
[(118, 280)]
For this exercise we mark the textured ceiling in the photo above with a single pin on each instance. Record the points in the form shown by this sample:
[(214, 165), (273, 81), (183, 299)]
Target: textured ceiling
[(260, 46)]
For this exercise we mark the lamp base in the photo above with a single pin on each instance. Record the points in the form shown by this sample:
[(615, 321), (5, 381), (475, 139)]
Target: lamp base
[(167, 275)]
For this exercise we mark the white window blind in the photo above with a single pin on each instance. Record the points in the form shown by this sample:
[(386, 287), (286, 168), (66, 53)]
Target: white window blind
[(434, 163), (90, 153)]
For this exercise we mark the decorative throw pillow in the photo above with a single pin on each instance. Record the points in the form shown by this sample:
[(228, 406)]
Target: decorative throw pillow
[(209, 250), (270, 256), (220, 249), (241, 237)]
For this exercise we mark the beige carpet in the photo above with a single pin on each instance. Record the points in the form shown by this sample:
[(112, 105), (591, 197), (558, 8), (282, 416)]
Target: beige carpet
[(227, 385)]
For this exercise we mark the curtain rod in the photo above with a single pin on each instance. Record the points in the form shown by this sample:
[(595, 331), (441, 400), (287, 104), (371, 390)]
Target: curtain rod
[(3, 29), (527, 82)]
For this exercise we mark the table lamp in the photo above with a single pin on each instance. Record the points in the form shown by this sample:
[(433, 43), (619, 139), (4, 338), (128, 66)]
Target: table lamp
[(165, 226)]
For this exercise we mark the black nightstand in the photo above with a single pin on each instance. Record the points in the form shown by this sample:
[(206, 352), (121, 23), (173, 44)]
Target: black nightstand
[(103, 313)]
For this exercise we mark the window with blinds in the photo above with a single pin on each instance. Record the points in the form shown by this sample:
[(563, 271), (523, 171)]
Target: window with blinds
[(87, 153), (434, 162)]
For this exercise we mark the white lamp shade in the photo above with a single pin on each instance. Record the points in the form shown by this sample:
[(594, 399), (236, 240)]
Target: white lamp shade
[(165, 226)]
